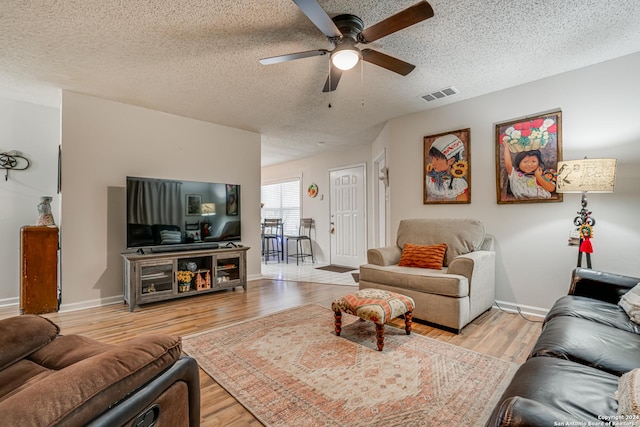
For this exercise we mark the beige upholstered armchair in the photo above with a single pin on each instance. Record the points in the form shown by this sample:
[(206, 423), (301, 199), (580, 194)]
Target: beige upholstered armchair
[(452, 296)]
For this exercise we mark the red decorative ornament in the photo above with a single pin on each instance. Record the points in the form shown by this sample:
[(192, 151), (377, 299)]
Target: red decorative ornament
[(586, 233), (586, 246)]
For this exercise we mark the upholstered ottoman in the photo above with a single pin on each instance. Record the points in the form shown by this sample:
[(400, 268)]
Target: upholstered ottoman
[(375, 305)]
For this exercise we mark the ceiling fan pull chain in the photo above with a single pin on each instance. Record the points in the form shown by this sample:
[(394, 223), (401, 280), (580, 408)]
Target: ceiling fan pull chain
[(329, 81), (362, 83), (329, 78)]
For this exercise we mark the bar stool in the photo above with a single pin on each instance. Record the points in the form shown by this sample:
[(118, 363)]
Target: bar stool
[(272, 230), (304, 234)]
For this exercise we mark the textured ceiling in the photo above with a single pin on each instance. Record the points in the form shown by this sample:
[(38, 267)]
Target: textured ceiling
[(199, 58)]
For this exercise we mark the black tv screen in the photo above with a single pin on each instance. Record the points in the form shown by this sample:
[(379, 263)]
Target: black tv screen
[(165, 213)]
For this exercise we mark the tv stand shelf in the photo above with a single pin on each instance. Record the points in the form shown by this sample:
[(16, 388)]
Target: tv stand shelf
[(157, 276)]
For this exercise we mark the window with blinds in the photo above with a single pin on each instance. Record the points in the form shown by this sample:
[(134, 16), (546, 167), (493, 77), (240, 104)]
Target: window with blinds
[(282, 200)]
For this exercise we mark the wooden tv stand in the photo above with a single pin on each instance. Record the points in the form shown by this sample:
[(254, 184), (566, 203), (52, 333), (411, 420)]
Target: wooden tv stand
[(153, 276)]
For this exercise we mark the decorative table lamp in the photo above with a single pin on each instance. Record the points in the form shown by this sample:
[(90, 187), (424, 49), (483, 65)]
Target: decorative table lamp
[(207, 209), (580, 176)]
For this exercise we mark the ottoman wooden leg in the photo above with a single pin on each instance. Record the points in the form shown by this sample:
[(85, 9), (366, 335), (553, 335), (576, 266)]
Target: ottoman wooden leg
[(380, 335), (337, 315), (408, 316)]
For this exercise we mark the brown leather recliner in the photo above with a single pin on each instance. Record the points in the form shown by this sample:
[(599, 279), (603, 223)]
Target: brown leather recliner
[(51, 380)]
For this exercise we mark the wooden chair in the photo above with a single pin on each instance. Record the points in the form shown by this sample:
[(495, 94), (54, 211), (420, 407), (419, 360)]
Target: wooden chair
[(304, 234)]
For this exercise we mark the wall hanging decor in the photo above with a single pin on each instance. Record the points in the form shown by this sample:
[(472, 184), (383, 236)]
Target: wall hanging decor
[(13, 160), (194, 204), (447, 167), (312, 191), (233, 199), (527, 154)]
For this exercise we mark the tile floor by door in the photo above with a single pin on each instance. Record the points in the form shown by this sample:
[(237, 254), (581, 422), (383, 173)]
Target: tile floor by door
[(306, 272)]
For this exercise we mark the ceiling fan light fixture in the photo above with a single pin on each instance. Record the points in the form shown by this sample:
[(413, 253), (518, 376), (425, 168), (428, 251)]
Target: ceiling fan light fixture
[(346, 59), (345, 31)]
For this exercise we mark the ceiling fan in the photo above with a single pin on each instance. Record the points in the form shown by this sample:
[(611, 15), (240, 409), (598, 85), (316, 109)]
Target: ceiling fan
[(346, 31)]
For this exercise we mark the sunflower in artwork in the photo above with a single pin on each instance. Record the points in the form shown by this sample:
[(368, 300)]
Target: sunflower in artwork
[(459, 169)]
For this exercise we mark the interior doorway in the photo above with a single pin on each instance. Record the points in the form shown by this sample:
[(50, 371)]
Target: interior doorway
[(347, 189)]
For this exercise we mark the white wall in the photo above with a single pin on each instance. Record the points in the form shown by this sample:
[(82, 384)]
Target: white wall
[(600, 117), (102, 143), (34, 131), (316, 170)]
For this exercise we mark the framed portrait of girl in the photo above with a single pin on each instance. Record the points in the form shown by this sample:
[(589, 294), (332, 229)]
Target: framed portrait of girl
[(527, 154), (447, 168)]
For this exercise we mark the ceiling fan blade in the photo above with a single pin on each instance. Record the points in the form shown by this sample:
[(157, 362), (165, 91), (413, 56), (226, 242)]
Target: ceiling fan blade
[(412, 15), (333, 79), (292, 56), (319, 17), (385, 61)]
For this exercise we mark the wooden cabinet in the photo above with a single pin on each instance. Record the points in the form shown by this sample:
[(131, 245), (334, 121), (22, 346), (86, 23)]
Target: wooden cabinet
[(39, 269), (161, 276)]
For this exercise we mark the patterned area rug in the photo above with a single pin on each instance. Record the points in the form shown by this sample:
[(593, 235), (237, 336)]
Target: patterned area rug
[(290, 369)]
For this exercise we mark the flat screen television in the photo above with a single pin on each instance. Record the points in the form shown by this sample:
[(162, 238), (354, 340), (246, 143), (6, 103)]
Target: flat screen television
[(165, 214)]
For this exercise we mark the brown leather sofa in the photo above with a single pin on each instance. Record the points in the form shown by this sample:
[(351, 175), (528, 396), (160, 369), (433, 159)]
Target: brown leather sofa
[(51, 380), (587, 342)]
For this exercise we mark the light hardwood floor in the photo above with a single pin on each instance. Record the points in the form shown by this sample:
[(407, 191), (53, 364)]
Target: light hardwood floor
[(503, 335)]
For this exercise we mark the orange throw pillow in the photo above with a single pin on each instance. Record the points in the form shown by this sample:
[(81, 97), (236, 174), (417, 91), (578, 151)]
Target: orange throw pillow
[(423, 256)]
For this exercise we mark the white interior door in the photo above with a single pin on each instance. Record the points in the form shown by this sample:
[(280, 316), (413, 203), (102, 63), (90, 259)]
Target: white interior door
[(348, 216)]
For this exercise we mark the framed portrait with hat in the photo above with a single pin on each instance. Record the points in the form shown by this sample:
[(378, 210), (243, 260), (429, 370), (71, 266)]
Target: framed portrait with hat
[(447, 167), (527, 154)]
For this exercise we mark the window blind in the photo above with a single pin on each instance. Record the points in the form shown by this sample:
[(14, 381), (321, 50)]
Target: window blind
[(282, 200)]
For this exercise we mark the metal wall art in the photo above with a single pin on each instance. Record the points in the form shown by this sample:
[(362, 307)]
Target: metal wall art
[(12, 160)]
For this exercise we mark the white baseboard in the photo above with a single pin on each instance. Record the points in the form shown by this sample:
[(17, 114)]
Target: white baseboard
[(119, 299), (91, 303), (251, 277), (8, 302), (524, 309)]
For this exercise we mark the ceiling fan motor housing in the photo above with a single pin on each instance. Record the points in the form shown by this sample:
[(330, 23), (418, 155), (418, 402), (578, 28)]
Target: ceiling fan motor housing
[(349, 25)]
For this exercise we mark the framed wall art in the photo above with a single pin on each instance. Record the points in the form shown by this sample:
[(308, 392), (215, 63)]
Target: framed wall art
[(194, 201), (527, 154), (447, 167), (232, 200), (312, 191)]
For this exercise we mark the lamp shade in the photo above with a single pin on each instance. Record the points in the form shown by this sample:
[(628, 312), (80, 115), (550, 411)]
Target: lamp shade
[(345, 59), (208, 209), (592, 175)]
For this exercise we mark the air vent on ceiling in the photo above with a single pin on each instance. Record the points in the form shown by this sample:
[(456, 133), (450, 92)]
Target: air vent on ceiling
[(439, 94)]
